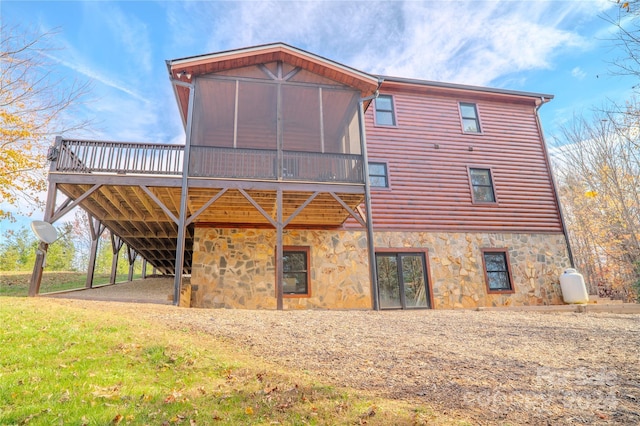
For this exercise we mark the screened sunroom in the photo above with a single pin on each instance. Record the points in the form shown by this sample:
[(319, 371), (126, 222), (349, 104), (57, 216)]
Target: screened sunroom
[(275, 121)]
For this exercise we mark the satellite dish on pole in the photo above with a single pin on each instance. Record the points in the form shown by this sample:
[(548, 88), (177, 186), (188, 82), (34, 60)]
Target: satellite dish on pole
[(44, 231)]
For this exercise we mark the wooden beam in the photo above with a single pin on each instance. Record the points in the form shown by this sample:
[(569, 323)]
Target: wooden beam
[(259, 207), (299, 209), (126, 180), (206, 205), (125, 197), (142, 197), (355, 215), (159, 203), (66, 207), (248, 185)]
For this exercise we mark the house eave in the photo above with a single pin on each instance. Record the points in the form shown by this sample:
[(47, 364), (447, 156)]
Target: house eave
[(463, 87)]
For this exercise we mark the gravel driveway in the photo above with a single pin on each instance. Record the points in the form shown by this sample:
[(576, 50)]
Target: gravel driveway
[(486, 367)]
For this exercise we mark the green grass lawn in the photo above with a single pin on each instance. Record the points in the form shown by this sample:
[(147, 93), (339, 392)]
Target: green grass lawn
[(65, 363), (17, 283)]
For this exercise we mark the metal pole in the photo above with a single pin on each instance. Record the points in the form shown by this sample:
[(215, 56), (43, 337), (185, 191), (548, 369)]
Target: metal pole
[(279, 251), (373, 274), (553, 183), (182, 222)]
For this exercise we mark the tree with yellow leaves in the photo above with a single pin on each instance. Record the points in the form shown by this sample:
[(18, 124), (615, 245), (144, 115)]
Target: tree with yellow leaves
[(35, 104)]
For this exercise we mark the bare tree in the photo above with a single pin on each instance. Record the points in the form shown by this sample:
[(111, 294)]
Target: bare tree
[(598, 166), (626, 19), (35, 104)]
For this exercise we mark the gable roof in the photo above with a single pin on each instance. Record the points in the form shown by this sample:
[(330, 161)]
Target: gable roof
[(185, 69)]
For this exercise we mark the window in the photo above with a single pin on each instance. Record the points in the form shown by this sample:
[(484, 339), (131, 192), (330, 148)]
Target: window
[(497, 271), (482, 186), (385, 115), (470, 121), (296, 271), (402, 280), (378, 175)]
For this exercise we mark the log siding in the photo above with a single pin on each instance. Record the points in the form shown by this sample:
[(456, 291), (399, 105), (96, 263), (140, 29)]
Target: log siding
[(428, 156)]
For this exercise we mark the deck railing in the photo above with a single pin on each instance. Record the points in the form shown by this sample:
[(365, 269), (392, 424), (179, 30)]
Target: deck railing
[(82, 156), (267, 164)]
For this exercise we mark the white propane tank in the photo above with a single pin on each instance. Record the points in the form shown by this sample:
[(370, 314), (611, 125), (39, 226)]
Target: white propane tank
[(573, 287)]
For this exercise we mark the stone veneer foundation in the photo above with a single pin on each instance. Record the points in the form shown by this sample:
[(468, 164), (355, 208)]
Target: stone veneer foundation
[(235, 268)]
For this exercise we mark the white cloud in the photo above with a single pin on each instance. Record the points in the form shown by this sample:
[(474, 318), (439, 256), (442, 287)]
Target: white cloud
[(472, 42), (578, 73), (126, 32), (94, 75)]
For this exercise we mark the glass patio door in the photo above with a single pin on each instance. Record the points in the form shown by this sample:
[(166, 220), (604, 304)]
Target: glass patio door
[(402, 281)]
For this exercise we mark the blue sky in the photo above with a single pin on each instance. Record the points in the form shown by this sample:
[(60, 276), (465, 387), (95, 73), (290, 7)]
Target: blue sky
[(555, 47)]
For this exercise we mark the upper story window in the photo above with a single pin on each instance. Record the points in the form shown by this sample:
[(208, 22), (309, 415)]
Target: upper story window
[(497, 271), (482, 186), (470, 120), (378, 175), (385, 113), (296, 272)]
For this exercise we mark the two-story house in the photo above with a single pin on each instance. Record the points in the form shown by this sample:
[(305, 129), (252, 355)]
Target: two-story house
[(305, 183)]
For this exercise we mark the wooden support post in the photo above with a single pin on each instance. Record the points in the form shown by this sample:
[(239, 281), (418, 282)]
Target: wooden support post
[(131, 256), (97, 228), (279, 251), (38, 269), (144, 268), (41, 252), (116, 245), (38, 266)]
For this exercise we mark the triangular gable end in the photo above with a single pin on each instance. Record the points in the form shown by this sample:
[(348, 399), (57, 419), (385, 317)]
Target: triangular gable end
[(185, 69)]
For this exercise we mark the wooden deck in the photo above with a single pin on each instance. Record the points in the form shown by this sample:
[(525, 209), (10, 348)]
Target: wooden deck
[(135, 191)]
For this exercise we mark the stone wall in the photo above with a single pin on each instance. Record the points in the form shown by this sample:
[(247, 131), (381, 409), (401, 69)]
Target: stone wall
[(456, 271), (234, 268)]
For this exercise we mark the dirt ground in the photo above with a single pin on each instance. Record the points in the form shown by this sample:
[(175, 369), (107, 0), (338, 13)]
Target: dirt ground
[(485, 367)]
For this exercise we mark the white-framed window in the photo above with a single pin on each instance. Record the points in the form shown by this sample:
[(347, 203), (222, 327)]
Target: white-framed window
[(469, 116), (385, 111)]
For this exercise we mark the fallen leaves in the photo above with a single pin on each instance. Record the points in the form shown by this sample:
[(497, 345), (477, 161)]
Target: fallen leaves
[(175, 396), (109, 392)]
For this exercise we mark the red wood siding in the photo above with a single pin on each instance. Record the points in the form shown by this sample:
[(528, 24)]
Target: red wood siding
[(429, 187)]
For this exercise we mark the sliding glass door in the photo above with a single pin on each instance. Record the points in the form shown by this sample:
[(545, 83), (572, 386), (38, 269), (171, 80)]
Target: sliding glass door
[(402, 280)]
